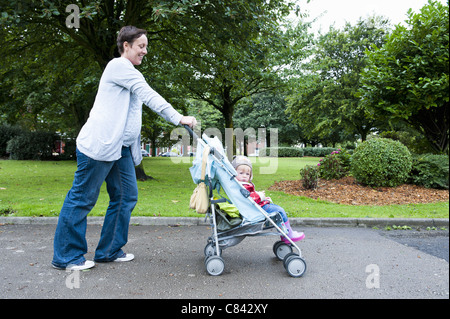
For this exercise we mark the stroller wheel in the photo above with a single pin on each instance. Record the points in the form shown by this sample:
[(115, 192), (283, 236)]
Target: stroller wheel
[(294, 265), (210, 250), (281, 249), (214, 265)]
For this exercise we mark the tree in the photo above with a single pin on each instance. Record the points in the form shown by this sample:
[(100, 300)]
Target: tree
[(229, 50), (268, 110), (408, 77), (58, 66), (47, 81), (218, 51), (325, 101), (51, 69)]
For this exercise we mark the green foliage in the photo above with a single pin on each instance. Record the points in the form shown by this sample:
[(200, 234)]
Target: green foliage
[(267, 110), (411, 138), (335, 165), (325, 100), (310, 176), (31, 146), (430, 170), (53, 84), (7, 133), (219, 52), (381, 162), (318, 151), (282, 151), (226, 51), (405, 227), (408, 77)]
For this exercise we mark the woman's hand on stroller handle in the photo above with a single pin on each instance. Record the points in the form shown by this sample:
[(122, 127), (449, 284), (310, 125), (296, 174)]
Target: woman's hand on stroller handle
[(189, 123), (188, 120)]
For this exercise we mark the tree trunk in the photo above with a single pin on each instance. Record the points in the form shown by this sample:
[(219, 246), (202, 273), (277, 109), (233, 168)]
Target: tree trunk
[(140, 173), (433, 122), (227, 112)]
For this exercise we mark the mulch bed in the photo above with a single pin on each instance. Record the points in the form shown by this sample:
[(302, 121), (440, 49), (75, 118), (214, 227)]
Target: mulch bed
[(347, 191)]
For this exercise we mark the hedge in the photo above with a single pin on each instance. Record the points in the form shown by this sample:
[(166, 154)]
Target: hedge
[(282, 151)]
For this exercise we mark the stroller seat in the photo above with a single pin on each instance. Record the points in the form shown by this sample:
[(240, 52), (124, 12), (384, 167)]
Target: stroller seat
[(226, 223)]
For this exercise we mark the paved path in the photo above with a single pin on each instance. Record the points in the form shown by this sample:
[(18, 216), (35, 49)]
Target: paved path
[(343, 262)]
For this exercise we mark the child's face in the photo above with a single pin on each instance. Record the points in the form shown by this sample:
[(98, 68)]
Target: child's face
[(244, 173)]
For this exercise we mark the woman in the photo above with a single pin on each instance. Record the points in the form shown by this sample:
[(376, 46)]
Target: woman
[(108, 148)]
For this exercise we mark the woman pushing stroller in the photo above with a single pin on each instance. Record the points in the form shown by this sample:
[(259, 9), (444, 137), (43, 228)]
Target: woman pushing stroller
[(244, 170)]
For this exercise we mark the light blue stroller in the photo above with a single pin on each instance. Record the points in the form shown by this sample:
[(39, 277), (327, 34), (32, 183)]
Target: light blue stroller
[(253, 220)]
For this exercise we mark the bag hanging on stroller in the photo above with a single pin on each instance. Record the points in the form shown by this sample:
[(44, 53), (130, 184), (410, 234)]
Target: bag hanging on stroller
[(199, 199)]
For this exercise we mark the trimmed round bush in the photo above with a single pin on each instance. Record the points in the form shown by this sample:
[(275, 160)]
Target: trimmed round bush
[(381, 162)]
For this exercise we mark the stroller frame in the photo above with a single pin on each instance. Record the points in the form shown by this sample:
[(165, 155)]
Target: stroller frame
[(294, 263)]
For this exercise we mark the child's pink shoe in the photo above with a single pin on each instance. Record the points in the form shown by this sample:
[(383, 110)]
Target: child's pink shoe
[(296, 237), (292, 234)]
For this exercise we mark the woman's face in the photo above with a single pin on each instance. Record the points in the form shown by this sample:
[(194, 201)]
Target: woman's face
[(135, 52)]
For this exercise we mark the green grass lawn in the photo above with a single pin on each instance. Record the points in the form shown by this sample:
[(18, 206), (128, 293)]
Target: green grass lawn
[(33, 188)]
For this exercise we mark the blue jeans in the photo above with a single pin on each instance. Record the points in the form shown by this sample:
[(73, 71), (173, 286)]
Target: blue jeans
[(70, 237), (272, 208)]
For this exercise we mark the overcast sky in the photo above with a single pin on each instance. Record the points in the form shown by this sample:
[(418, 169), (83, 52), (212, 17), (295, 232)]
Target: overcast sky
[(340, 11)]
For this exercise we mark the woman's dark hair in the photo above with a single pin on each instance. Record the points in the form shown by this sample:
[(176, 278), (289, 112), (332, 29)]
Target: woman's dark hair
[(128, 33)]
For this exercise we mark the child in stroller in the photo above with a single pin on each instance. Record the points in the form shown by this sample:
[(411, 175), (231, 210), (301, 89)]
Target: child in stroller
[(244, 169)]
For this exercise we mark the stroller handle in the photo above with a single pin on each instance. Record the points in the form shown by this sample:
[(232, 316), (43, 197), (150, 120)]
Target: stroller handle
[(191, 132)]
